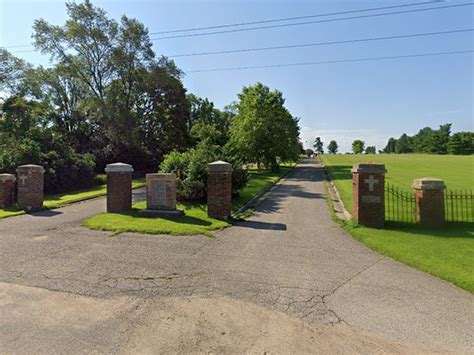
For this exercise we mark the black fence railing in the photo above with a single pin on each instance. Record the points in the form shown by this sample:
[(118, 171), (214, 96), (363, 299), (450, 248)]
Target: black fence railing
[(459, 206), (400, 205)]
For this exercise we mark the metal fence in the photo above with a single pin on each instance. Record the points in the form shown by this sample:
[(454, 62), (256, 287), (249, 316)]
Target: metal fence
[(399, 205), (459, 206)]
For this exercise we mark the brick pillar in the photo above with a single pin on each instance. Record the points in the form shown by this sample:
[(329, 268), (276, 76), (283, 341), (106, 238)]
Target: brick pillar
[(30, 187), (7, 190), (119, 187), (429, 194), (368, 182), (219, 190)]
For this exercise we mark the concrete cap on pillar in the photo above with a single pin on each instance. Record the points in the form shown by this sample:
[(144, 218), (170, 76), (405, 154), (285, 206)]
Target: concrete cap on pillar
[(7, 177), (370, 168), (29, 167), (118, 168), (219, 166), (428, 184)]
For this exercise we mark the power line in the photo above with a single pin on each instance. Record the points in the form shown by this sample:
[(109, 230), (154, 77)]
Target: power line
[(243, 50), (285, 19), (331, 61), (309, 22), (292, 18), (265, 21), (412, 35)]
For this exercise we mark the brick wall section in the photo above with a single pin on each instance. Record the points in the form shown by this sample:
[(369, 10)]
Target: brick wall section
[(368, 204), (30, 187), (7, 190), (119, 187), (219, 190), (429, 195)]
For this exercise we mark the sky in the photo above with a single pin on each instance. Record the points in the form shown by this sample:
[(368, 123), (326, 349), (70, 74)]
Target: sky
[(371, 100)]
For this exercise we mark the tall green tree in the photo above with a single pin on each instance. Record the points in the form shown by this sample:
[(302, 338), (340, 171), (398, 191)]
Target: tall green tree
[(358, 146), (461, 143), (318, 146), (132, 106), (403, 144), (264, 131), (333, 147), (370, 149), (390, 147)]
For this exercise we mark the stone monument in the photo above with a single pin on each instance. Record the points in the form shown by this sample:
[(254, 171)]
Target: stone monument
[(161, 196)]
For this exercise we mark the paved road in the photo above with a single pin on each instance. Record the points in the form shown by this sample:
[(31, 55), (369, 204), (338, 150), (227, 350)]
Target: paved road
[(287, 280)]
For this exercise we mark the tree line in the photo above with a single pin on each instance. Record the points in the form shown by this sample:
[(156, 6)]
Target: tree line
[(433, 141), (108, 97), (427, 140)]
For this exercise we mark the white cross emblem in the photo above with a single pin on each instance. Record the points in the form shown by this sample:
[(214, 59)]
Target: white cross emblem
[(23, 179), (371, 181)]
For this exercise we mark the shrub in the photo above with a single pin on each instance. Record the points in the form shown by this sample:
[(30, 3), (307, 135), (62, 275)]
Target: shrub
[(190, 168), (68, 170), (14, 153)]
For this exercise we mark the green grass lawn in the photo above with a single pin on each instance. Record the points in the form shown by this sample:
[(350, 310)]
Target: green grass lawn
[(444, 252), (64, 199), (195, 220), (457, 171)]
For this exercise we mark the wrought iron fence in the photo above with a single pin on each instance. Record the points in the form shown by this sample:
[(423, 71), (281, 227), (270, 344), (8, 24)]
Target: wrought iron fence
[(459, 205), (399, 205)]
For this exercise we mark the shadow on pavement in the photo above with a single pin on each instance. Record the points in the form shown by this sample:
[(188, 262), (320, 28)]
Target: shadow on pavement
[(45, 213), (262, 225)]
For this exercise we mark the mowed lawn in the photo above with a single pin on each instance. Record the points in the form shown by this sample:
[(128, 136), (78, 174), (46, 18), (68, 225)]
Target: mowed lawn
[(446, 252), (195, 220), (456, 171)]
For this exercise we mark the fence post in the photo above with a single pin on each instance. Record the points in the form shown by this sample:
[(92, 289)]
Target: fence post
[(368, 188), (429, 195)]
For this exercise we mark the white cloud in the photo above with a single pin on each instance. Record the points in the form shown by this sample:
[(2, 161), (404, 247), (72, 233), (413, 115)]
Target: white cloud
[(343, 137)]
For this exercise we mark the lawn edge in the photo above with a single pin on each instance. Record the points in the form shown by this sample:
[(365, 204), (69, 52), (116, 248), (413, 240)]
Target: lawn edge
[(341, 211), (349, 225)]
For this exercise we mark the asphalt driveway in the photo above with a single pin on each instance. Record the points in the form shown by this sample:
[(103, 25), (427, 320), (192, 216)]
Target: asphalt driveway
[(287, 280)]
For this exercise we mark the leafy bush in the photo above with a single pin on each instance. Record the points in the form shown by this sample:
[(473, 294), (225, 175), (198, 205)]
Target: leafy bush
[(64, 168), (14, 153), (190, 168), (69, 171)]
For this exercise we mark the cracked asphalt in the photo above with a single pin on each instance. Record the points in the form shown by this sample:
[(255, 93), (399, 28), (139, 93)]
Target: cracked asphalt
[(286, 280)]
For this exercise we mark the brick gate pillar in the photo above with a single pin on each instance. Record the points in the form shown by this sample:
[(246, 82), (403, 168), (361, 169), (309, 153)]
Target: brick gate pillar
[(219, 190), (119, 187), (368, 182), (7, 190), (429, 195), (30, 187)]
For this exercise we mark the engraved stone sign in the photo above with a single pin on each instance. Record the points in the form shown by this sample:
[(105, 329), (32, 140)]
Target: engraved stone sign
[(161, 195), (157, 195)]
